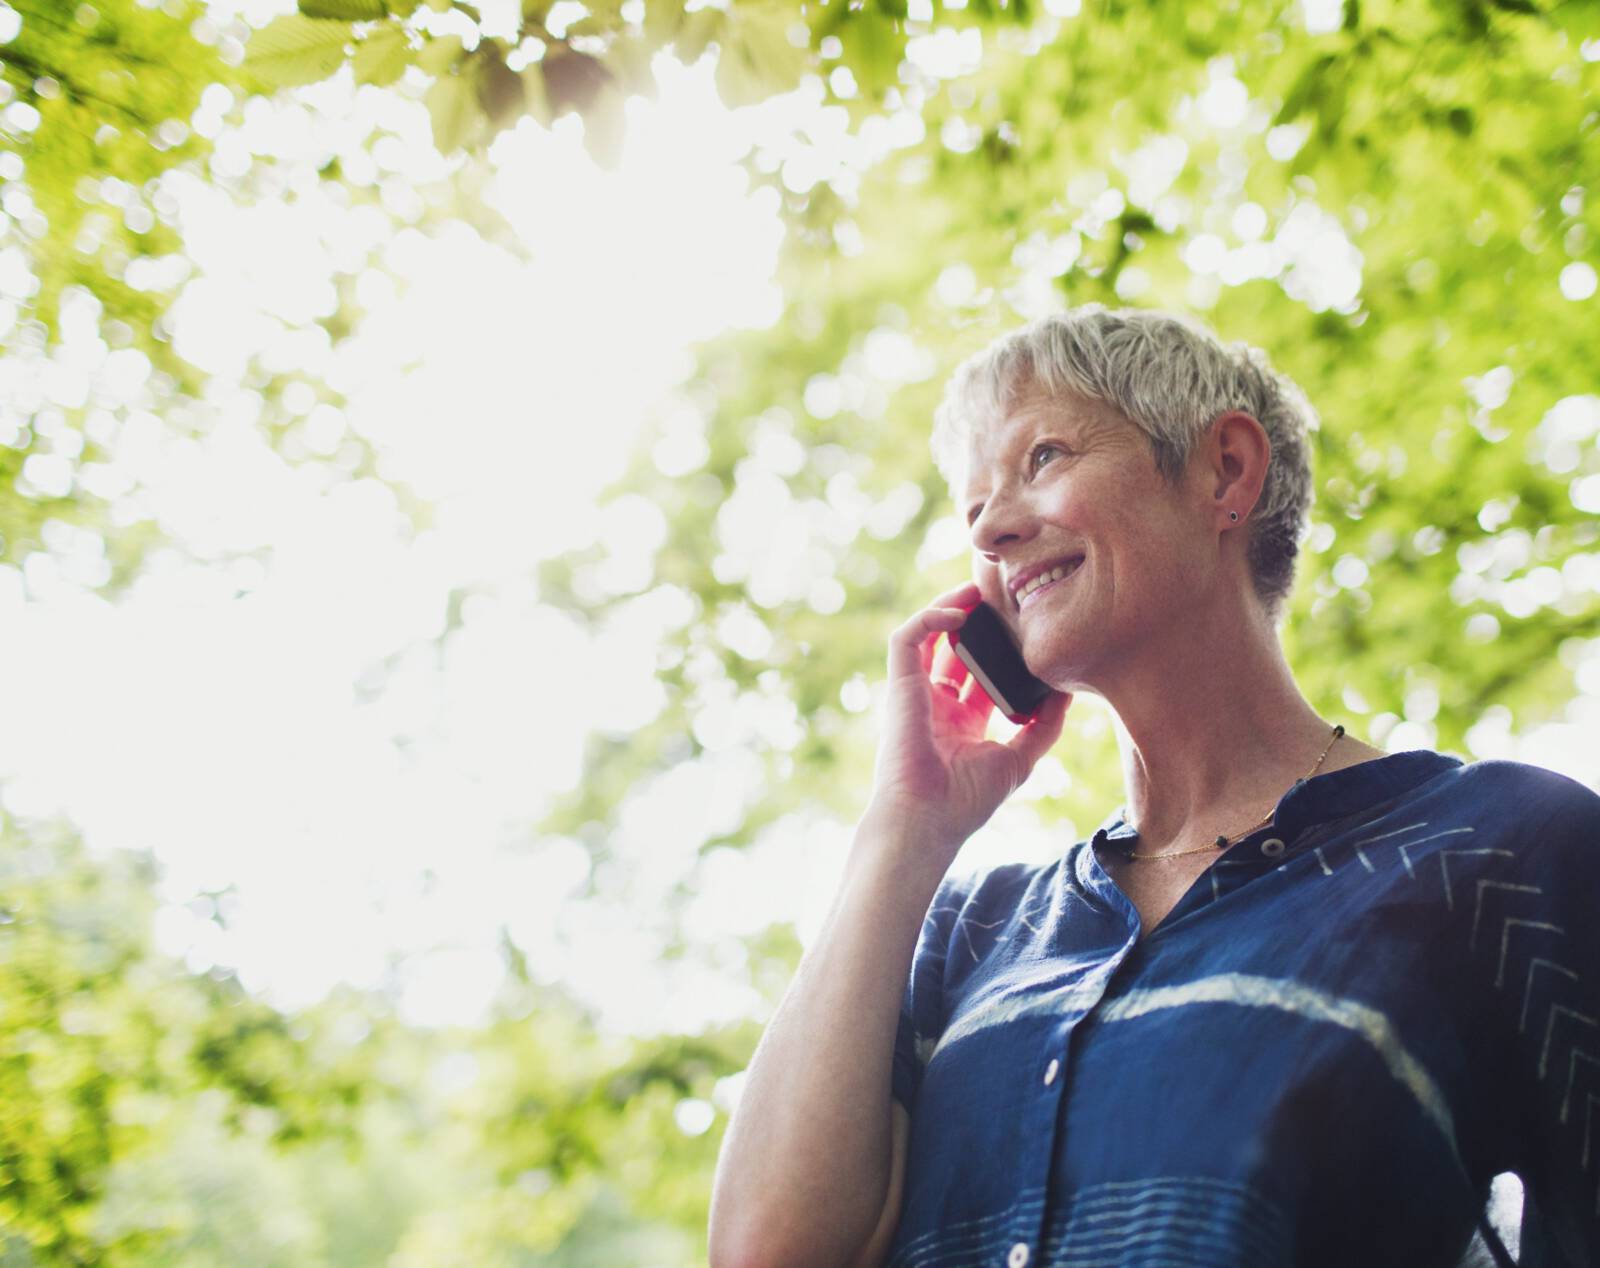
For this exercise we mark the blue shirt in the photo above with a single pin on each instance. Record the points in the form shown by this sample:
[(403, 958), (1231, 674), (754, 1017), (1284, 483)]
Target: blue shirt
[(1354, 1019)]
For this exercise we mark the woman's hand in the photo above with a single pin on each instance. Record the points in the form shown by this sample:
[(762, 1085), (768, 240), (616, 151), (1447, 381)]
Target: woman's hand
[(935, 771)]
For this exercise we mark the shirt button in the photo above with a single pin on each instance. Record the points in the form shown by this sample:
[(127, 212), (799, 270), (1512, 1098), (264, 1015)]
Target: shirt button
[(1050, 1071), (1018, 1256), (1272, 847)]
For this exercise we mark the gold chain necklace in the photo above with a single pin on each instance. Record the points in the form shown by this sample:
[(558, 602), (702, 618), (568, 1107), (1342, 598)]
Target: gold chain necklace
[(1223, 842)]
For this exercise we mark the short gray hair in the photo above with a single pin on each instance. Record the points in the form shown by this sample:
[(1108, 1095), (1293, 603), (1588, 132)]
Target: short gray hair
[(1170, 377)]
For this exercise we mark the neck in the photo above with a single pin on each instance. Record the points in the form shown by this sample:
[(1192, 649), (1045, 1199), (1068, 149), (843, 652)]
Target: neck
[(1213, 730)]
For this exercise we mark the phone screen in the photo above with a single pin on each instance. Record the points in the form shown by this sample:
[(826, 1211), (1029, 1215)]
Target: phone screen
[(986, 648)]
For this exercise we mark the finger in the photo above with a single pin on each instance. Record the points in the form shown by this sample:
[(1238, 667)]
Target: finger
[(1042, 730), (947, 665), (950, 673), (977, 702), (912, 645), (951, 686), (966, 596)]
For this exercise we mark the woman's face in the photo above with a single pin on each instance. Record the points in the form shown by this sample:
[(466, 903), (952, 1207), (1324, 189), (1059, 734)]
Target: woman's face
[(1070, 483)]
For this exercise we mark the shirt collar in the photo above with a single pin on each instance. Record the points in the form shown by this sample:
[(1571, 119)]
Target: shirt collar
[(1324, 798)]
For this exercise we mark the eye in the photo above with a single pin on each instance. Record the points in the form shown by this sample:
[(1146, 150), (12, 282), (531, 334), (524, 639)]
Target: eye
[(1033, 457)]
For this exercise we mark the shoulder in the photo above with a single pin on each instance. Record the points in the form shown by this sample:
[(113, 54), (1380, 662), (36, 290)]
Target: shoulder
[(987, 897), (985, 890), (1000, 890), (1550, 820), (1540, 793)]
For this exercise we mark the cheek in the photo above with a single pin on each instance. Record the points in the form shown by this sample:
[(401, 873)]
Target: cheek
[(987, 577), (1166, 567)]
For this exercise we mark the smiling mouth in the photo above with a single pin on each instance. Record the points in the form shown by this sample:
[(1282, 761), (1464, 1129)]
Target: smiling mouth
[(1048, 581)]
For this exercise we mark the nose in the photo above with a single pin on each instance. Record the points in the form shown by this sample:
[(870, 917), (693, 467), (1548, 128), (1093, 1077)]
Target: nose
[(1004, 521)]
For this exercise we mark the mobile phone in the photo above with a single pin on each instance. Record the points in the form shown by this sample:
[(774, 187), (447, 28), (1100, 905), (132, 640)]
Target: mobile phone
[(986, 648)]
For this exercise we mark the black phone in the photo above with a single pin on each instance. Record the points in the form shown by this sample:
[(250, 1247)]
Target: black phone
[(986, 648)]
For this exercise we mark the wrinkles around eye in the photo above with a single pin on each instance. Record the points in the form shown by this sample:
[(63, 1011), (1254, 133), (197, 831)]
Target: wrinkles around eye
[(1033, 466)]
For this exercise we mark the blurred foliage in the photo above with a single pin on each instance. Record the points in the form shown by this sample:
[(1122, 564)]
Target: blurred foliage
[(108, 1048), (101, 102), (112, 114), (97, 107), (1392, 204), (153, 1115)]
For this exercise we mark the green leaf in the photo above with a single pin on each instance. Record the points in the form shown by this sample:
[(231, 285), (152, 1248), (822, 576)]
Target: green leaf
[(453, 107), (629, 59), (1580, 19), (757, 60), (294, 50), (346, 10), (500, 91), (603, 125), (382, 57), (662, 18), (873, 48), (698, 30), (1331, 106), (536, 96), (1306, 89), (440, 54), (574, 81)]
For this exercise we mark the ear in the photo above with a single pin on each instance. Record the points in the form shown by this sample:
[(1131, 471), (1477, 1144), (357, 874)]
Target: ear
[(1235, 456)]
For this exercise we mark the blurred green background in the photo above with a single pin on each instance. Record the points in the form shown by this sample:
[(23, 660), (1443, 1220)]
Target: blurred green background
[(403, 875)]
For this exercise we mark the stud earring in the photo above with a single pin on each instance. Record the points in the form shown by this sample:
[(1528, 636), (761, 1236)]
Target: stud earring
[(1233, 515)]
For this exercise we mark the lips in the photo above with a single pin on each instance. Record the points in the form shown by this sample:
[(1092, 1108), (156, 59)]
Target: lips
[(1046, 578)]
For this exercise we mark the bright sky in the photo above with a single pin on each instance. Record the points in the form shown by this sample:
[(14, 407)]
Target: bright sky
[(282, 724), (213, 717)]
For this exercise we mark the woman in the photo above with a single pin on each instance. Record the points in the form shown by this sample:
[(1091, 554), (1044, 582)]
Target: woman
[(1297, 1002)]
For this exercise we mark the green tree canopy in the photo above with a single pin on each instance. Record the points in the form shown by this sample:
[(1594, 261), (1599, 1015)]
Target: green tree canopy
[(1395, 201)]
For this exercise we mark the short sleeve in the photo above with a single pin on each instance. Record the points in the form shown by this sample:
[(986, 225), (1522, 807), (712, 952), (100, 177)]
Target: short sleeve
[(1539, 922), (922, 1003)]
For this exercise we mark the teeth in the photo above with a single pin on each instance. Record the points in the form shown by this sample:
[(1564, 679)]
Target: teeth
[(1041, 579), (1044, 579)]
